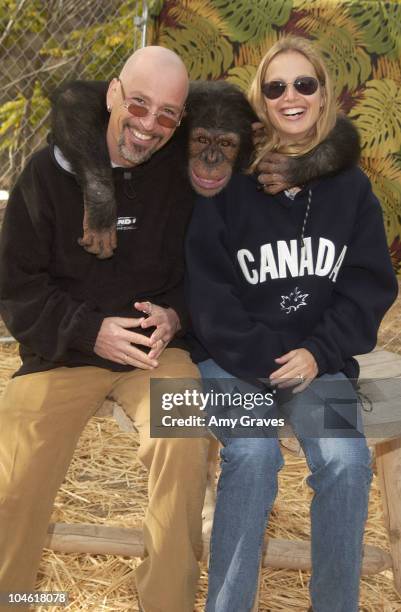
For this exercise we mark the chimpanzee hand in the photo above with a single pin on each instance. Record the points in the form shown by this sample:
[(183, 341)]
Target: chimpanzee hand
[(99, 242), (258, 133), (273, 169)]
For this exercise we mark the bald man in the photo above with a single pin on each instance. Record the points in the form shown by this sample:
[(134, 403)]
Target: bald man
[(90, 329)]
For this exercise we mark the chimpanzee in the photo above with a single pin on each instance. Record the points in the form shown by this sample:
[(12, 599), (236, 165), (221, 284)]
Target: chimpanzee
[(217, 128)]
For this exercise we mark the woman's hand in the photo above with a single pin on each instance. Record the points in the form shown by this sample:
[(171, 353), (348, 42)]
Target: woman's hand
[(298, 369)]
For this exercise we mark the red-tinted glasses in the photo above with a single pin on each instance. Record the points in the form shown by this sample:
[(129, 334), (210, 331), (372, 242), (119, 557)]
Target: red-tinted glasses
[(169, 119), (304, 85)]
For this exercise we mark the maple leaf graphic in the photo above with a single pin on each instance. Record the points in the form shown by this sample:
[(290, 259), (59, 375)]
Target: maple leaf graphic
[(291, 303)]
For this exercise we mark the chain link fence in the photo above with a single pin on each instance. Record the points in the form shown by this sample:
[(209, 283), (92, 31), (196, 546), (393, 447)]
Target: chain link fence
[(45, 43)]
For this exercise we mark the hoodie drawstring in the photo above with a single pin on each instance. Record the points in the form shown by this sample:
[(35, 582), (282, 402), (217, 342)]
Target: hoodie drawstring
[(306, 217)]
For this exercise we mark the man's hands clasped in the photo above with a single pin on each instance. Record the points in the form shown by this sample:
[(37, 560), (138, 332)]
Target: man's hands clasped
[(166, 322), (116, 340)]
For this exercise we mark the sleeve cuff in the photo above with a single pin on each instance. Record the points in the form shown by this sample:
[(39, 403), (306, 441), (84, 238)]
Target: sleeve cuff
[(321, 361), (87, 332), (175, 299)]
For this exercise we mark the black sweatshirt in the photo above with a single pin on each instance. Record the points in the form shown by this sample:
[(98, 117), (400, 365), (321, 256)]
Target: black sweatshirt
[(53, 294), (253, 297)]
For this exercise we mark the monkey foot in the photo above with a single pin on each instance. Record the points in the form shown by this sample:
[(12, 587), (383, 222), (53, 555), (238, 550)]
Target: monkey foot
[(99, 242)]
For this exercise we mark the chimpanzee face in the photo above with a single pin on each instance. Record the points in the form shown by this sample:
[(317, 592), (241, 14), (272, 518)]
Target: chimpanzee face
[(212, 156)]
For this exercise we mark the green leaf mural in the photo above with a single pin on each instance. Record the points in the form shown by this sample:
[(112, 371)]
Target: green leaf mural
[(199, 40), (341, 44), (249, 56), (198, 14), (378, 116), (380, 24), (205, 53), (387, 68), (385, 174), (251, 19), (242, 76), (251, 52)]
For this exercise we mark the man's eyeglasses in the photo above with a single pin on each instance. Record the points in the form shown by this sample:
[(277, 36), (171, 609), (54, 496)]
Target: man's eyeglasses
[(140, 110), (304, 85)]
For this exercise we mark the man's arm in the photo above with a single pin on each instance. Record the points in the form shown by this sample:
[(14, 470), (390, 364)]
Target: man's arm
[(339, 151), (79, 121), (37, 312)]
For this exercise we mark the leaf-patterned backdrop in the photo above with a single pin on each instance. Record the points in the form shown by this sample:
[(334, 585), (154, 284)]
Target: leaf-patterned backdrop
[(360, 40)]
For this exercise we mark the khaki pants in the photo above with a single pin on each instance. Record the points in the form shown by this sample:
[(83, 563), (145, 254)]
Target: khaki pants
[(41, 418)]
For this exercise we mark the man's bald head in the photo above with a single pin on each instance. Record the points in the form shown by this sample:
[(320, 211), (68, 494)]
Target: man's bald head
[(155, 79), (155, 58)]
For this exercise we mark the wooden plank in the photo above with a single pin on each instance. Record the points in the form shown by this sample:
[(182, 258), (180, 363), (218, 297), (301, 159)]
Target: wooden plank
[(106, 409), (286, 554), (388, 459), (95, 539), (379, 364), (380, 385), (111, 408), (381, 400), (99, 539)]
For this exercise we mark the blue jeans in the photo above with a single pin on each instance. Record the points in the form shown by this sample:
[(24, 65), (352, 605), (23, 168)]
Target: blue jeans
[(340, 478)]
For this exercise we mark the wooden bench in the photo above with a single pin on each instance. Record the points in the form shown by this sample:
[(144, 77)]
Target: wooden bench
[(382, 421)]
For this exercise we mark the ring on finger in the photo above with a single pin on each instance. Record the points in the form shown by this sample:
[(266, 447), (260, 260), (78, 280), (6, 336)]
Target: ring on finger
[(301, 378), (150, 306)]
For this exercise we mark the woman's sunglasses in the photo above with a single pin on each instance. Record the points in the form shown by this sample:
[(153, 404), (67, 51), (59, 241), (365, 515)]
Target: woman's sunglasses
[(304, 85)]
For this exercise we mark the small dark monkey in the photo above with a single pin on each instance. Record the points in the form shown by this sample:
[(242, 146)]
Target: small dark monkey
[(78, 123), (218, 130), (219, 121)]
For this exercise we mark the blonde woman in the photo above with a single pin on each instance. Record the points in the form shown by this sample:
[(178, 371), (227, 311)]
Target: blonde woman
[(288, 288)]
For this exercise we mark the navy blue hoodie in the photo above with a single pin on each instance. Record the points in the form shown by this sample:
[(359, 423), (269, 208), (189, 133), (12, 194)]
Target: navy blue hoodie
[(254, 295)]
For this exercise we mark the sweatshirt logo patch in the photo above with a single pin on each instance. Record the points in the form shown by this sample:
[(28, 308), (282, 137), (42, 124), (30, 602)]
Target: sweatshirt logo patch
[(291, 303), (126, 223)]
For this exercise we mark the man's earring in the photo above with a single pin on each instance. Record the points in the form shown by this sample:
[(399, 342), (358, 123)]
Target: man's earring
[(109, 108)]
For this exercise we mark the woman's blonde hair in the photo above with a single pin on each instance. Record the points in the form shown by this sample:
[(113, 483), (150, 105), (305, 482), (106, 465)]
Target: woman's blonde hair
[(327, 117)]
